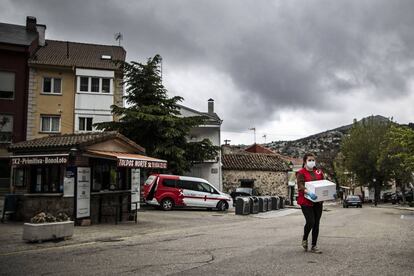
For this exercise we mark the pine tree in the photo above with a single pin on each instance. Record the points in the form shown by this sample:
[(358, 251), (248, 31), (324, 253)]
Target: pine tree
[(153, 120)]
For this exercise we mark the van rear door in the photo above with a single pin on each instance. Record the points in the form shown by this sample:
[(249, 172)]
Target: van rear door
[(150, 187)]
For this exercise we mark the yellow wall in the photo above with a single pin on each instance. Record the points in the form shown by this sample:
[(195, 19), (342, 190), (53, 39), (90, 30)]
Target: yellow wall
[(62, 105)]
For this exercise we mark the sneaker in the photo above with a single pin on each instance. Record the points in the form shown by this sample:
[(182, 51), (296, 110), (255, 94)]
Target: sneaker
[(305, 245), (316, 250)]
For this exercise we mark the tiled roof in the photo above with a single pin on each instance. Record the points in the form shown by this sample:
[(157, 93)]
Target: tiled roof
[(67, 141), (16, 34), (83, 55), (254, 161), (255, 148)]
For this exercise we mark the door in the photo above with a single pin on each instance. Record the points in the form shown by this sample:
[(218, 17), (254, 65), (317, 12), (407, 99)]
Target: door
[(192, 194)]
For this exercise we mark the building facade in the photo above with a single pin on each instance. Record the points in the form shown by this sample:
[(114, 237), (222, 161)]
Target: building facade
[(209, 170), (17, 45), (267, 173), (72, 86)]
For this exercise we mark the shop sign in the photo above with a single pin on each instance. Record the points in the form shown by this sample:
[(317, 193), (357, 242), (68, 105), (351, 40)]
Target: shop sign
[(83, 192), (135, 182), (39, 160), (141, 164)]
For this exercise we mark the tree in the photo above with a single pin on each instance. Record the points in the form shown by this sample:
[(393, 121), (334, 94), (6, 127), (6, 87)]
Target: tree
[(362, 153), (153, 120), (397, 151)]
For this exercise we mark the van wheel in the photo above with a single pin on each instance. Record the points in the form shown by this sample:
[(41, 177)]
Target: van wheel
[(167, 204), (222, 206)]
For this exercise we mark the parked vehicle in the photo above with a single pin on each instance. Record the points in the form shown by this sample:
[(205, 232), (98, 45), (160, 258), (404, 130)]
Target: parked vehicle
[(398, 197), (352, 200), (169, 191), (387, 197), (241, 191)]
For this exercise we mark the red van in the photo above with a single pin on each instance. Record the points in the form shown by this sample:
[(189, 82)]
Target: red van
[(169, 191)]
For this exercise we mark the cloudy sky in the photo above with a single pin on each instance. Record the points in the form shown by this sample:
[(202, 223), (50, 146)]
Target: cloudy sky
[(288, 68)]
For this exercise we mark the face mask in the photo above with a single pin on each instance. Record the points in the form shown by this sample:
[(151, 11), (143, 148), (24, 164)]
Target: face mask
[(310, 164)]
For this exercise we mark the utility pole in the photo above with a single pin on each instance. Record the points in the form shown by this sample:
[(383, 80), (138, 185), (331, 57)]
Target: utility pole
[(254, 131)]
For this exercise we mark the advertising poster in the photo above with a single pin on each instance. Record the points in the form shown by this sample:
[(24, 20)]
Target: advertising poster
[(69, 183), (135, 193), (83, 192)]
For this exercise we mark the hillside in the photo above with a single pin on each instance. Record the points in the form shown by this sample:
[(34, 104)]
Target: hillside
[(324, 143)]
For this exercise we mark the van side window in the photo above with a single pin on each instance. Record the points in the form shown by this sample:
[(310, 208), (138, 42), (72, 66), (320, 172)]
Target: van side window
[(169, 183), (188, 185)]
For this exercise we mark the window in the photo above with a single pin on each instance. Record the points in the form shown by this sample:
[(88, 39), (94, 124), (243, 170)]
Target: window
[(169, 183), (106, 85), (46, 179), (84, 84), (104, 175), (6, 128), (50, 123), (19, 177), (85, 124), (94, 84), (7, 80), (188, 185), (52, 85)]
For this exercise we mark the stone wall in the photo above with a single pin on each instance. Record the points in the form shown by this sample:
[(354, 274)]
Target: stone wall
[(266, 182), (29, 206)]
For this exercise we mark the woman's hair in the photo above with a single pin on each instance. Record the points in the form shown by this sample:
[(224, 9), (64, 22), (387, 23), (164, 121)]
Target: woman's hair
[(305, 157)]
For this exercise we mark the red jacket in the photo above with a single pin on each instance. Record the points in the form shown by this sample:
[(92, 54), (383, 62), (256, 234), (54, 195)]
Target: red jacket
[(302, 176)]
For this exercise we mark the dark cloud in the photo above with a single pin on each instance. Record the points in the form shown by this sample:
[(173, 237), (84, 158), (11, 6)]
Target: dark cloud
[(278, 54)]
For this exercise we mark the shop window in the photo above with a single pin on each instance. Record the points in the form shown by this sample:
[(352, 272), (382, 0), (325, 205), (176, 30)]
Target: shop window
[(104, 175), (52, 85), (6, 128), (46, 179), (85, 123), (49, 123), (7, 84), (19, 177)]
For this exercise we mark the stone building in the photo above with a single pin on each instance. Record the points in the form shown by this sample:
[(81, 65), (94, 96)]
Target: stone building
[(267, 173)]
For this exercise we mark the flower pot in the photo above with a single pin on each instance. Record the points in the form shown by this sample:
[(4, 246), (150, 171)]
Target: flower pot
[(47, 231)]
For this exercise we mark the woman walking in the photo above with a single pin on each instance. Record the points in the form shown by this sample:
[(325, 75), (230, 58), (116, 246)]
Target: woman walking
[(311, 210)]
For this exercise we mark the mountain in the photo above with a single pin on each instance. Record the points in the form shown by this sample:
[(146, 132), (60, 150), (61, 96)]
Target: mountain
[(324, 143)]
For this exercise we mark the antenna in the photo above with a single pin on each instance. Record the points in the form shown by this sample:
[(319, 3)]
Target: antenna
[(254, 130), (264, 136), (118, 37), (227, 141)]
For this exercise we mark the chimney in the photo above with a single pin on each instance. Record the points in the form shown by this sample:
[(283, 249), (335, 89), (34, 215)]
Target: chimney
[(41, 30), (31, 23), (210, 106)]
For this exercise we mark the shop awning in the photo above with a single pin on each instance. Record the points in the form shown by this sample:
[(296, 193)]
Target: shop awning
[(131, 160)]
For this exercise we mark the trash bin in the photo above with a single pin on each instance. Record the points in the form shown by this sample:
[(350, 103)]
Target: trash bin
[(242, 206), (269, 203), (282, 202), (254, 205), (262, 204), (275, 202)]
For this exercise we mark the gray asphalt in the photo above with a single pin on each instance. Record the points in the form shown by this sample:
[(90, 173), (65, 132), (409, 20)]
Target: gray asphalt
[(367, 241)]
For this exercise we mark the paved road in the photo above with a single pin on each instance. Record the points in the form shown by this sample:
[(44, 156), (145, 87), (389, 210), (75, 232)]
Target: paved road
[(367, 241)]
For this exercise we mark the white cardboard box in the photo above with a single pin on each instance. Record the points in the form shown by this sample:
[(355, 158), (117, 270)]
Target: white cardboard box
[(323, 189)]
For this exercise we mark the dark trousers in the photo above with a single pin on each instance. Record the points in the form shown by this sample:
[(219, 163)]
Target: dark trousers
[(312, 216)]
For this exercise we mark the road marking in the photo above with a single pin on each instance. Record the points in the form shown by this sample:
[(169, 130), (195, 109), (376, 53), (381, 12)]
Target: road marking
[(46, 248)]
